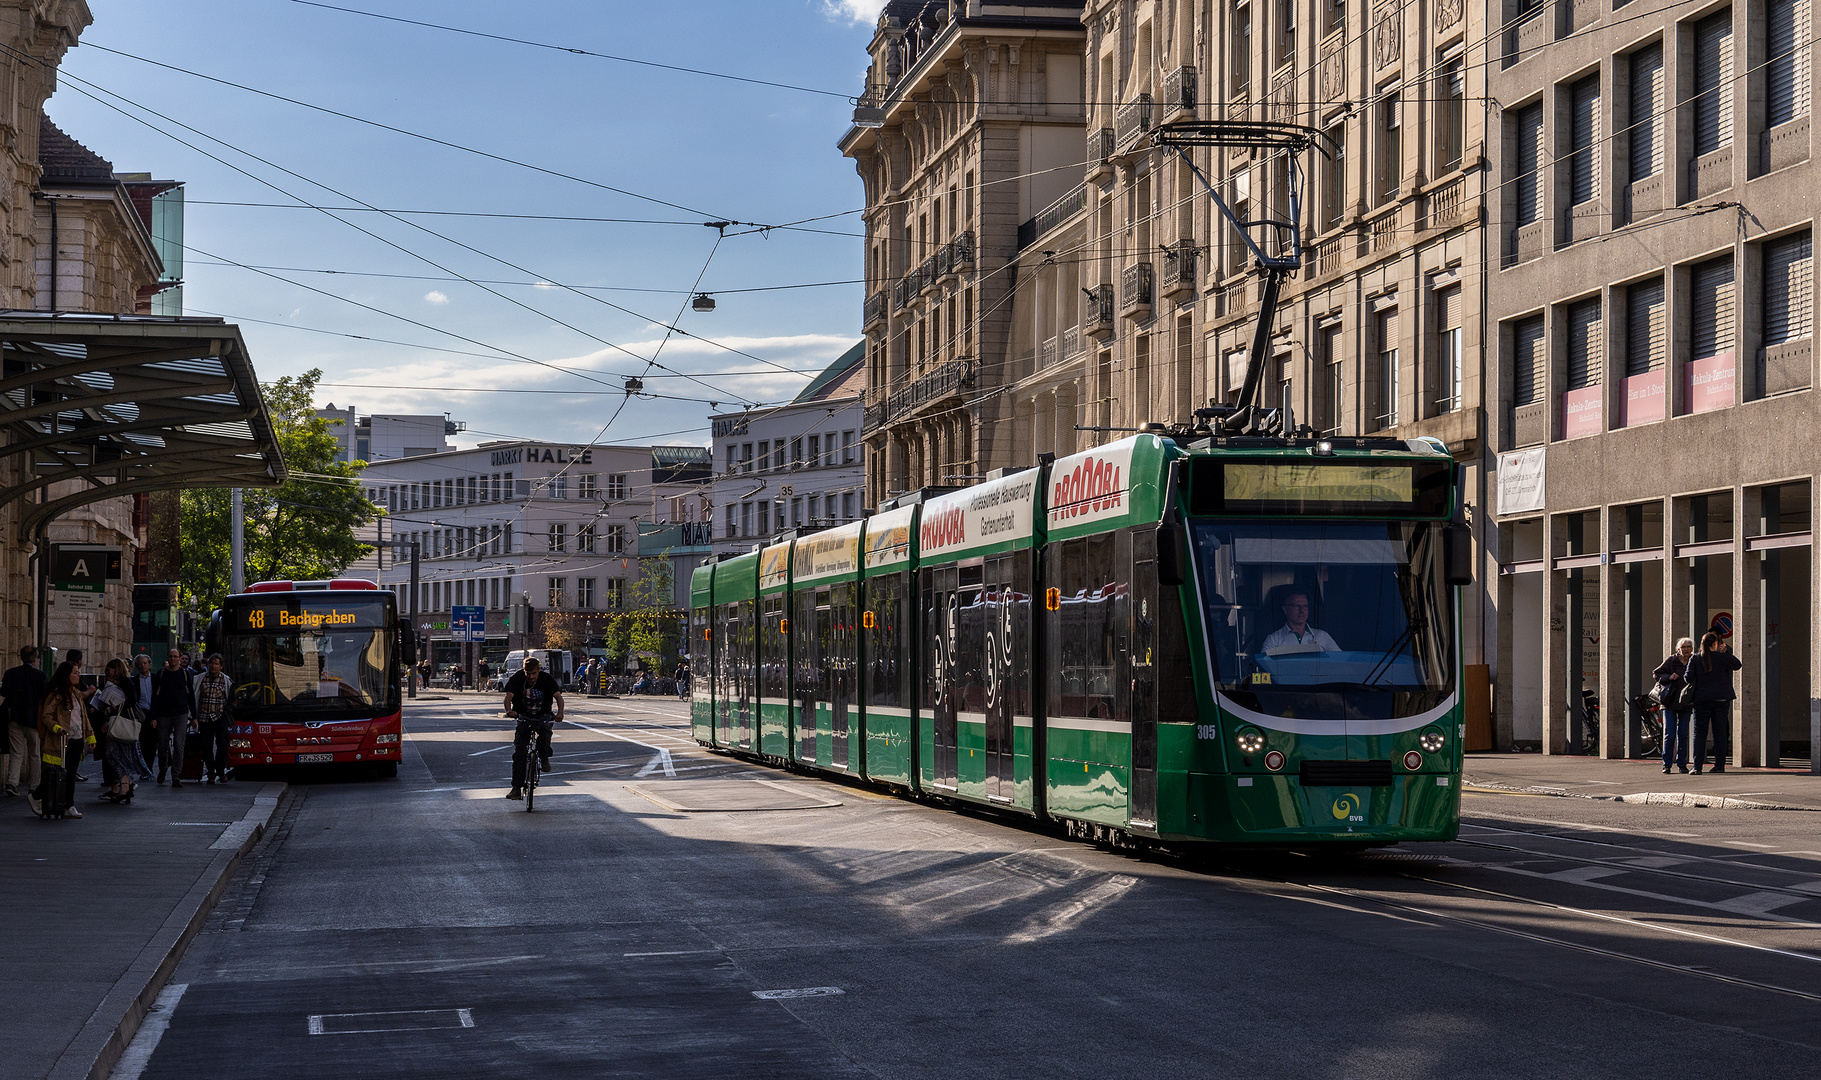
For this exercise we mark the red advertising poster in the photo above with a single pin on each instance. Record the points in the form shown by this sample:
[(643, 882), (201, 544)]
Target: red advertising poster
[(1708, 383), (1642, 401), (1581, 412)]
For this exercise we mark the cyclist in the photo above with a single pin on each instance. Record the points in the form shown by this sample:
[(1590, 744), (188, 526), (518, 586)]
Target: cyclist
[(530, 695)]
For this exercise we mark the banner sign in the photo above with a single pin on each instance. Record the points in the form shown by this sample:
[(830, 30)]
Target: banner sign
[(1521, 481)]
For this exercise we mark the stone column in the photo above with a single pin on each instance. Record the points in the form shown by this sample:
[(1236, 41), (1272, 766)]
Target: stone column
[(1615, 711), (1747, 643), (1556, 657)]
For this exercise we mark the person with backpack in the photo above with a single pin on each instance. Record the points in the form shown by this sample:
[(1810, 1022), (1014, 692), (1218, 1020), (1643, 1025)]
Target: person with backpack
[(1670, 682), (1710, 673), (209, 691), (63, 734), (23, 688)]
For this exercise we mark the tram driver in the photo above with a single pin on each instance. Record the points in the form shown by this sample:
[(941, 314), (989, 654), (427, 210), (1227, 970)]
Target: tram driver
[(1296, 635)]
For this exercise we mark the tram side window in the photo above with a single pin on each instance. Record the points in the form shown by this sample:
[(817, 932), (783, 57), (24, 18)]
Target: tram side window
[(1019, 623), (885, 652), (1083, 642), (1175, 671), (968, 675), (807, 659), (774, 670)]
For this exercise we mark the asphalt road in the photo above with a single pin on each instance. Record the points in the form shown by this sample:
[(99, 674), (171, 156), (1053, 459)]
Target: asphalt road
[(425, 926)]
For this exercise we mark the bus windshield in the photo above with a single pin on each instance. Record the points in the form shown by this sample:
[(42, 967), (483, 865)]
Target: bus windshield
[(325, 657), (1335, 620)]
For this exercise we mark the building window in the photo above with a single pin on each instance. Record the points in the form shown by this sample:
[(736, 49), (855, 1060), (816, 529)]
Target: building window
[(559, 537), (1526, 186), (584, 539), (1786, 76), (558, 486), (1336, 16), (555, 597), (815, 450), (847, 506), (1390, 144), (1646, 132), (616, 485), (1386, 377), (1286, 31), (1583, 136), (848, 450), (616, 539), (746, 519), (1448, 349), (733, 523), (1711, 297), (796, 511), (745, 457), (796, 452), (1242, 51), (1334, 173), (616, 593), (1451, 114), (777, 454), (1328, 356), (1646, 330), (1713, 83), (1788, 306), (585, 487), (764, 454), (584, 593)]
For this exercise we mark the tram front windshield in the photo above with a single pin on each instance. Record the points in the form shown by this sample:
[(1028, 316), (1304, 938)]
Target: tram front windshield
[(323, 661), (1338, 620)]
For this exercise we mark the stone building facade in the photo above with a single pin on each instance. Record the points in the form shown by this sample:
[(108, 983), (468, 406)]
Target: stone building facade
[(1650, 323)]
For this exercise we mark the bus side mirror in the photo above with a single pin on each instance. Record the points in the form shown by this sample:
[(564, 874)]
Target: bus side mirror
[(407, 643), (1171, 559), (1457, 555)]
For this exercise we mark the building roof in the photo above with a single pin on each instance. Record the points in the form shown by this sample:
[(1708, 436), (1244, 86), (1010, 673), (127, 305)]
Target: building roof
[(838, 379), (63, 160)]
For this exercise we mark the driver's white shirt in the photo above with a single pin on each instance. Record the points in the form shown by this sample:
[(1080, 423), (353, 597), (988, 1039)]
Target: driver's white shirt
[(1285, 637)]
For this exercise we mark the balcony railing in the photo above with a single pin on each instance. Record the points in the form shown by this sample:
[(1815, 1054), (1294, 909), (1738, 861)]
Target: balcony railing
[(962, 247), (928, 273), (954, 376), (1179, 270), (1071, 342), (1101, 148), (1179, 91), (1131, 121), (1444, 205), (1097, 312), (1046, 353), (903, 291), (1053, 215), (875, 308), (1137, 288)]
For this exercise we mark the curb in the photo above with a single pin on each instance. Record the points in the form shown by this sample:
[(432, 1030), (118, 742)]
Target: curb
[(1644, 798), (92, 1054)]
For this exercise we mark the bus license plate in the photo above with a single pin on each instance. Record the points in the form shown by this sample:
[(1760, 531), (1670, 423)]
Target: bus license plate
[(314, 759)]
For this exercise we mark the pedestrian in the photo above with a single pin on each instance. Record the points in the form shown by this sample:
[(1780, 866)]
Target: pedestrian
[(74, 656), (63, 733), (115, 702), (23, 689), (172, 711), (1670, 681), (683, 679), (141, 697), (210, 692), (1710, 673)]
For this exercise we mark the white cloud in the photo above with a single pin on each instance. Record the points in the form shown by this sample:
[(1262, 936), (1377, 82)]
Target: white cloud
[(436, 297), (857, 11)]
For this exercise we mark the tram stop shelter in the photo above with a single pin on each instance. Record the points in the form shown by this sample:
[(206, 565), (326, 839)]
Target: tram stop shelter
[(101, 406)]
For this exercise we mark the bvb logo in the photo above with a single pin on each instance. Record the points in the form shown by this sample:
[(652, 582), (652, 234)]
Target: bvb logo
[(1345, 807)]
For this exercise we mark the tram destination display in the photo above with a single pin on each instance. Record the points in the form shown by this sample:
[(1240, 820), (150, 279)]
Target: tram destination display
[(1343, 488)]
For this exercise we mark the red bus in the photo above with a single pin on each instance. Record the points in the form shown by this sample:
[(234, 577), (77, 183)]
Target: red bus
[(315, 668)]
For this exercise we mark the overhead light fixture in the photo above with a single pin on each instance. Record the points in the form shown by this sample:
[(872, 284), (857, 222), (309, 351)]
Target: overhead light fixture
[(865, 117), (702, 302)]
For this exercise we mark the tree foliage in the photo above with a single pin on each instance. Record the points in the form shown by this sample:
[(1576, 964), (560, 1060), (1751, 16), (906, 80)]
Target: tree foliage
[(302, 530)]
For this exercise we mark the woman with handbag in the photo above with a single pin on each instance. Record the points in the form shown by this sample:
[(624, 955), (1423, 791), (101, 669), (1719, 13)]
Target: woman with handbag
[(1671, 681), (123, 723), (63, 733), (1709, 676)]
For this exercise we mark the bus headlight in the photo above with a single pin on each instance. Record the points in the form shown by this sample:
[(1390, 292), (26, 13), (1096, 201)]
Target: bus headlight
[(386, 738), (1433, 741), (240, 744), (1251, 741)]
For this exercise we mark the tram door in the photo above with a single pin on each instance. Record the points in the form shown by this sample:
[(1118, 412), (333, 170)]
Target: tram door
[(1142, 610), (835, 608), (811, 606), (943, 684), (1001, 652)]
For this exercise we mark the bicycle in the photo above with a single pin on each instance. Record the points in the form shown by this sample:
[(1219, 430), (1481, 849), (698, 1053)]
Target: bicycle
[(541, 728), (1650, 724)]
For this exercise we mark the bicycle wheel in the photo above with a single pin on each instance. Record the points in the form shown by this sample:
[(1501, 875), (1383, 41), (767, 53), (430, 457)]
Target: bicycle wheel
[(531, 774)]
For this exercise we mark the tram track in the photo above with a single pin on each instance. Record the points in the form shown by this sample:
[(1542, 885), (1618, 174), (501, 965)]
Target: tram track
[(1633, 868)]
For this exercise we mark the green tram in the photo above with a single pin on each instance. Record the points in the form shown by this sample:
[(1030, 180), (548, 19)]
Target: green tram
[(1232, 640)]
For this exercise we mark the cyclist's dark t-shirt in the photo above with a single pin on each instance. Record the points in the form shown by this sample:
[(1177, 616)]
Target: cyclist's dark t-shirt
[(535, 700)]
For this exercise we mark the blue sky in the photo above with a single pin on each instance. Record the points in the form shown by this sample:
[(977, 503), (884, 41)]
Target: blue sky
[(724, 150)]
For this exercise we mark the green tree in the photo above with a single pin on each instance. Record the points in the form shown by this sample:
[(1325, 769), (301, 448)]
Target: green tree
[(303, 529), (651, 622)]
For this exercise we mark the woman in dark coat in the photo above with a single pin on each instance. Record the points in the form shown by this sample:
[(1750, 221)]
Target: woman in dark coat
[(1710, 673), (1675, 716)]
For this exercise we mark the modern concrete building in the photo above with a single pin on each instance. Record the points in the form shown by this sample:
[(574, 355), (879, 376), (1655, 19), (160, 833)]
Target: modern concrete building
[(970, 123), (795, 466), (1650, 318), (384, 437), (536, 526)]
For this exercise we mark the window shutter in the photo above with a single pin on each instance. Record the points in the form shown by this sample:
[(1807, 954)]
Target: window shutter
[(1584, 132), (1448, 308), (1584, 351), (1527, 361), (1387, 330), (1529, 157), (1646, 112), (1644, 326), (1713, 82), (1786, 72), (1787, 305), (1713, 308)]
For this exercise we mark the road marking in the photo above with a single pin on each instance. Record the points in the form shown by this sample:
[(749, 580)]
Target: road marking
[(492, 750), (801, 992), (1583, 874), (139, 1052), (1758, 903), (320, 1023), (661, 758), (217, 824), (1748, 843), (678, 952)]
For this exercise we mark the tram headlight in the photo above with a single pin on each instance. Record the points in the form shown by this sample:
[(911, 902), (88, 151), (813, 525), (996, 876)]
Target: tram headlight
[(1251, 741), (1432, 742), (1413, 761)]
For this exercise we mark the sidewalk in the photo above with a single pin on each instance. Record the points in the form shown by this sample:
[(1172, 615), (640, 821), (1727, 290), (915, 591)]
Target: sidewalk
[(98, 911), (1643, 781)]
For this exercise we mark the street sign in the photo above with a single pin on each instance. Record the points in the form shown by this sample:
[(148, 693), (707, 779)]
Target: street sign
[(1722, 624), (467, 623), (85, 563), (76, 596)]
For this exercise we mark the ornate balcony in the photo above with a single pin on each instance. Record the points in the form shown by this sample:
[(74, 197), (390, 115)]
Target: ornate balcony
[(961, 252), (1179, 270), (1179, 92), (1097, 313), (875, 310), (1131, 122), (944, 381), (1101, 148), (1137, 289)]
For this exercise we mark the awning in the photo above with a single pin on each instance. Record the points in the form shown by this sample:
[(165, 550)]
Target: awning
[(125, 404)]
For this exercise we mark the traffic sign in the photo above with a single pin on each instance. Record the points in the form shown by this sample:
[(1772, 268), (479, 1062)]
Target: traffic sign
[(85, 564), (80, 597), (1722, 624), (467, 623)]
